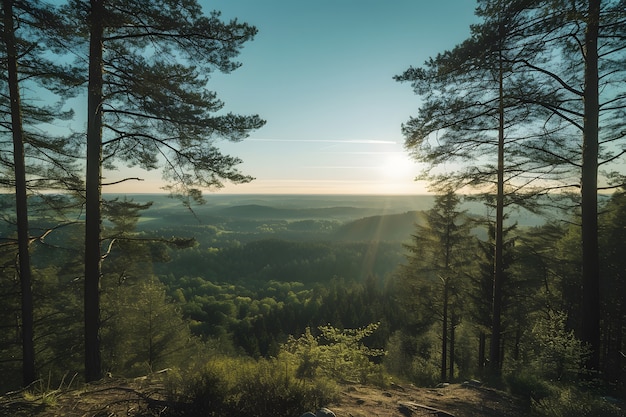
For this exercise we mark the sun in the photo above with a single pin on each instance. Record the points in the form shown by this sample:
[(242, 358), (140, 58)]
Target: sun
[(398, 165)]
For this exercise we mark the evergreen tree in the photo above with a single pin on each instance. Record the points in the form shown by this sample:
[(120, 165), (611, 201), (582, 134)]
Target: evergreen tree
[(550, 49), (613, 288), (148, 105), (25, 65), (24, 271), (437, 257), (474, 110)]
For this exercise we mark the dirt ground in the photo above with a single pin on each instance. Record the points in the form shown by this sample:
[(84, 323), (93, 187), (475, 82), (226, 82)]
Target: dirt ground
[(143, 397), (453, 400)]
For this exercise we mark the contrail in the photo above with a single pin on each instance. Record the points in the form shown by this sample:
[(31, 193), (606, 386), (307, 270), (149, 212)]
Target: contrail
[(363, 141)]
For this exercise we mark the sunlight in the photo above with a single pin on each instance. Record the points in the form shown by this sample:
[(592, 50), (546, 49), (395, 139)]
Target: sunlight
[(398, 165)]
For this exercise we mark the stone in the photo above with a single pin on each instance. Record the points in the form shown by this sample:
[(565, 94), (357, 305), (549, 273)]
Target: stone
[(324, 412), (308, 414)]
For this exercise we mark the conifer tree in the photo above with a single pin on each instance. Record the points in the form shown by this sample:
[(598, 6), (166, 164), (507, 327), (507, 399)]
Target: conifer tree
[(549, 49), (436, 259), (50, 164), (148, 105)]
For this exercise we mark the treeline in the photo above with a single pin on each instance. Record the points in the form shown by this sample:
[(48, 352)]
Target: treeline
[(286, 260)]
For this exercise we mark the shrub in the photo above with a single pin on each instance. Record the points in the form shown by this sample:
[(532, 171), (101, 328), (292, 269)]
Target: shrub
[(228, 386), (336, 354), (272, 388), (412, 358), (529, 386), (572, 402), (558, 355)]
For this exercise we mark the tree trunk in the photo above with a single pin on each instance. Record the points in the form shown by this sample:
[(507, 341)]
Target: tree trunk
[(451, 349), (481, 352), (498, 273), (444, 333), (590, 332), (93, 366), (21, 203)]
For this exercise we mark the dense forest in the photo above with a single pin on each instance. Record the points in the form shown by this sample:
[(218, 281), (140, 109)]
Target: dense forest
[(511, 272)]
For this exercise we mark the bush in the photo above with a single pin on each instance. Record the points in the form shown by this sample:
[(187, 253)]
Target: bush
[(571, 402), (529, 386), (412, 358), (236, 387), (557, 354), (272, 388), (336, 354)]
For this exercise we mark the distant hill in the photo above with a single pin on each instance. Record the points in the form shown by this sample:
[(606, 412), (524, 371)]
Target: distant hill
[(261, 212), (389, 227)]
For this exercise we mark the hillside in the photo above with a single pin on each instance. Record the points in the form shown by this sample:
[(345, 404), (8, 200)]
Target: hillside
[(262, 212), (390, 227)]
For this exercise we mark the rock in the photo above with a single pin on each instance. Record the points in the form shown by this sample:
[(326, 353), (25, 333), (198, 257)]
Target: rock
[(472, 383), (324, 412), (308, 414)]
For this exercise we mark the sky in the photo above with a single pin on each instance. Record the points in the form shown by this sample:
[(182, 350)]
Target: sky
[(320, 72)]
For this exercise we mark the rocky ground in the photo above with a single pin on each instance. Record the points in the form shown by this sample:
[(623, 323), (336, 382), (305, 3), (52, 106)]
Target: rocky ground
[(143, 397)]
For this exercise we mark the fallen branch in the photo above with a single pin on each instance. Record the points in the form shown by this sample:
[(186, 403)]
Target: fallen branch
[(408, 407)]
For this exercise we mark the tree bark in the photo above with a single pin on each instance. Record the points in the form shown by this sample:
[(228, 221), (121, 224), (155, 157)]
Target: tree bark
[(481, 352), (444, 333), (21, 199), (93, 194), (498, 273), (452, 341), (590, 332)]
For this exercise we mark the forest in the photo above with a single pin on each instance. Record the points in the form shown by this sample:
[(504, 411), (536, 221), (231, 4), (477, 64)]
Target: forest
[(511, 272)]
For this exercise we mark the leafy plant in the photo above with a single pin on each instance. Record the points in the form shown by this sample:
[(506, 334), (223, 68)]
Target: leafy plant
[(337, 354), (558, 354)]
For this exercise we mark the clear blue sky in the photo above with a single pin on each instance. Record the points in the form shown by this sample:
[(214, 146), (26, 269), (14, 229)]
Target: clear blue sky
[(321, 73)]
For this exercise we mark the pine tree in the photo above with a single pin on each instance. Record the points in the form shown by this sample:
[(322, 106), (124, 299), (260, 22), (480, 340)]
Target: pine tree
[(549, 50), (148, 106), (51, 166), (436, 259)]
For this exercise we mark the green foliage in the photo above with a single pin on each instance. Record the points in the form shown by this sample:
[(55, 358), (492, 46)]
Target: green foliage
[(284, 260), (231, 386), (337, 354), (572, 402), (529, 386), (554, 361), (413, 357), (143, 331), (557, 354)]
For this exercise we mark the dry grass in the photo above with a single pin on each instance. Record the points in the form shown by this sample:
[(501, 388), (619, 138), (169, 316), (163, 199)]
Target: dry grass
[(145, 397)]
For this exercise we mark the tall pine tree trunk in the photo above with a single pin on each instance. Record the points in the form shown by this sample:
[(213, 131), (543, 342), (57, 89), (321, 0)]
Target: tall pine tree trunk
[(452, 341), (444, 332), (21, 203), (589, 192), (93, 366), (481, 352), (498, 273)]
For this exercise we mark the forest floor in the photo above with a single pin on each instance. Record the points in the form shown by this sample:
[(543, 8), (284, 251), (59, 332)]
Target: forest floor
[(143, 397)]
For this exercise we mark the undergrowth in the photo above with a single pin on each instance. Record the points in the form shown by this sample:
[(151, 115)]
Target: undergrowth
[(303, 376)]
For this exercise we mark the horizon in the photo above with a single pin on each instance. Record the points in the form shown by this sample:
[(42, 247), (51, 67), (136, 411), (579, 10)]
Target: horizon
[(333, 110)]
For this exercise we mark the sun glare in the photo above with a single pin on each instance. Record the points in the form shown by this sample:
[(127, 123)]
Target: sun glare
[(398, 165)]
